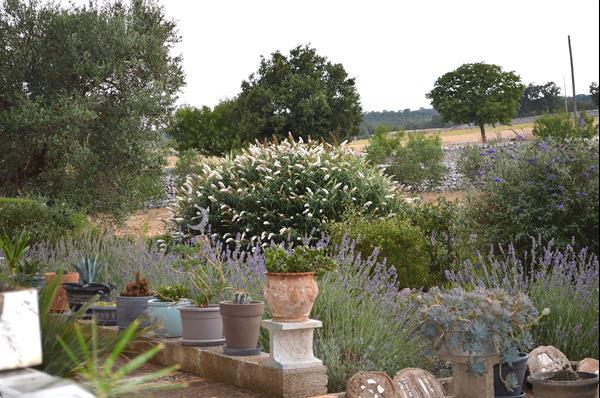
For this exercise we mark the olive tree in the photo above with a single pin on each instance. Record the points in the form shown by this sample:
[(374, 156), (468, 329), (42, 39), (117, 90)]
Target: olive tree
[(477, 93)]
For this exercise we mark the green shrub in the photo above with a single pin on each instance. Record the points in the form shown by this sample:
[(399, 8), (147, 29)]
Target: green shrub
[(402, 244), (382, 145), (561, 126), (474, 161), (187, 164), (44, 223), (281, 191), (419, 161), (546, 188)]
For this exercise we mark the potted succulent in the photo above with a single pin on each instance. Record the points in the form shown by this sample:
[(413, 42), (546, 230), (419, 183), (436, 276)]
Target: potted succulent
[(477, 328), (86, 289), (133, 301), (164, 309), (564, 384), (105, 313), (241, 324), (291, 288), (29, 273), (20, 337), (201, 322), (26, 272)]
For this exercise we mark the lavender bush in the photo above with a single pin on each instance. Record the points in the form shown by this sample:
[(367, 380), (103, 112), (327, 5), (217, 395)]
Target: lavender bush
[(563, 280)]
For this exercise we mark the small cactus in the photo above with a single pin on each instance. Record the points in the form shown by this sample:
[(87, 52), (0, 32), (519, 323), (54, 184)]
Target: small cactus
[(139, 288), (241, 297)]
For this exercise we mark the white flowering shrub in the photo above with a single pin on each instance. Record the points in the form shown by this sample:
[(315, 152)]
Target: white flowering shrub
[(281, 191)]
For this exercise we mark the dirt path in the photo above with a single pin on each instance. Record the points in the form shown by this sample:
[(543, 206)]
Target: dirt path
[(146, 223)]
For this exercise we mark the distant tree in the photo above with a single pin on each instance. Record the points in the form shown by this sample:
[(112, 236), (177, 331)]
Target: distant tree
[(211, 132), (477, 93), (594, 93), (539, 99), (302, 93), (84, 95)]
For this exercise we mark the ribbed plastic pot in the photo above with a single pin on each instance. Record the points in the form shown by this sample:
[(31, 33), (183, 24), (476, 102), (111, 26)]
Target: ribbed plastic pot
[(104, 315), (544, 388), (166, 315), (201, 326), (241, 324), (131, 308), (291, 295), (519, 368)]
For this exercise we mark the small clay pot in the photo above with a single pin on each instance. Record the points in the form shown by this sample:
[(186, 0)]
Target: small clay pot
[(60, 303), (587, 387), (201, 326), (241, 325), (291, 295)]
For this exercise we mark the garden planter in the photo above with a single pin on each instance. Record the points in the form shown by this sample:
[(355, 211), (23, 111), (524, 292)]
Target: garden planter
[(587, 387), (201, 326), (104, 315), (241, 326), (34, 281), (130, 308), (59, 301), (519, 368), (167, 315), (20, 337), (290, 296), (78, 295)]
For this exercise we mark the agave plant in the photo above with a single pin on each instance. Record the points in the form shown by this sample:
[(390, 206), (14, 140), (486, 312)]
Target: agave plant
[(88, 268)]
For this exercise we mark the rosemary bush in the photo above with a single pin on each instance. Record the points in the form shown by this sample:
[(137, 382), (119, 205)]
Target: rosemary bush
[(281, 191)]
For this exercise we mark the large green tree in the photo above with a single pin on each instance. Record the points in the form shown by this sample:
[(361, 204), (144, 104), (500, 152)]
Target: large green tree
[(212, 132), (302, 93), (477, 93), (84, 94), (540, 98), (594, 93)]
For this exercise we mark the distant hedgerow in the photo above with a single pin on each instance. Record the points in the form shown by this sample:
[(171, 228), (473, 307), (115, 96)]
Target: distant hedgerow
[(281, 191)]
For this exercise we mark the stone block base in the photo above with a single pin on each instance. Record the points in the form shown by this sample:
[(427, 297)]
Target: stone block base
[(291, 344)]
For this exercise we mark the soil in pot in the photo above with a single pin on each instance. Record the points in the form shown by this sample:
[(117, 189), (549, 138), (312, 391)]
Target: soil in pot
[(130, 308), (167, 315), (241, 326), (564, 384), (201, 326), (518, 368), (59, 301), (290, 296)]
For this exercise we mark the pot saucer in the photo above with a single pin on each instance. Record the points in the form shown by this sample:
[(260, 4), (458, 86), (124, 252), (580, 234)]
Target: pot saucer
[(241, 352), (203, 343)]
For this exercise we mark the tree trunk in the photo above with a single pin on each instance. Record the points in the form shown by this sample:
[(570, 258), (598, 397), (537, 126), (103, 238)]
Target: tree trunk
[(483, 138)]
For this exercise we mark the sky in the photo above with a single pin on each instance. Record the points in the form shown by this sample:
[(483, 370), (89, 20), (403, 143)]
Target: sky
[(394, 49)]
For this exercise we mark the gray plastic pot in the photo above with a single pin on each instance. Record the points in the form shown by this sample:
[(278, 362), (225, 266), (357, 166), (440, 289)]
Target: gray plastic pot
[(130, 308), (518, 368), (201, 326), (241, 325), (544, 388)]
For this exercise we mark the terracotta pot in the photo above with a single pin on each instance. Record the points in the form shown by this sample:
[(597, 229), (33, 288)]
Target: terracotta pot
[(201, 326), (290, 296), (587, 387), (59, 301), (241, 325)]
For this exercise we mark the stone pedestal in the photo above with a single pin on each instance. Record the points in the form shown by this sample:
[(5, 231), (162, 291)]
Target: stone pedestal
[(291, 344), (468, 385)]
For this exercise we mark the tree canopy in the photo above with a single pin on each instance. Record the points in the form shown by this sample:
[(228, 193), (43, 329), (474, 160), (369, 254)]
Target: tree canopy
[(84, 93), (539, 99), (594, 93), (302, 93), (477, 93)]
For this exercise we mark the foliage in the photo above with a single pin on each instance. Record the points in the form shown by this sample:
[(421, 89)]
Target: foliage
[(13, 251), (107, 382), (241, 297), (211, 132), (300, 259), (402, 244), (302, 93), (539, 99), (88, 89), (88, 268), (477, 93), (561, 126), (406, 119), (418, 163), (188, 163), (281, 191), (208, 282), (474, 161), (470, 320), (564, 280), (595, 93), (138, 288), (44, 222), (546, 188), (172, 294), (383, 144)]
